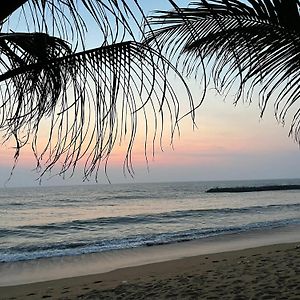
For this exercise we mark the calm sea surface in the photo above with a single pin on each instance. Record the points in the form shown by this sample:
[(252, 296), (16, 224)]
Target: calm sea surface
[(63, 221)]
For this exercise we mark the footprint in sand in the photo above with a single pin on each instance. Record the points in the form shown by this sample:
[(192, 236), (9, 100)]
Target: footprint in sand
[(98, 281)]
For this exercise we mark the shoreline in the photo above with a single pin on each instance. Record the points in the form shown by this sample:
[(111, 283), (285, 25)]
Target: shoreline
[(264, 272), (53, 268), (46, 269)]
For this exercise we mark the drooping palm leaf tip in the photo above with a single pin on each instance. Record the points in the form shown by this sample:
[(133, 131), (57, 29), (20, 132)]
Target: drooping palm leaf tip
[(74, 104), (252, 46)]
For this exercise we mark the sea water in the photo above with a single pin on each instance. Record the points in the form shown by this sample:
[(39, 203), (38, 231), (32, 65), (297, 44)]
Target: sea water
[(44, 222)]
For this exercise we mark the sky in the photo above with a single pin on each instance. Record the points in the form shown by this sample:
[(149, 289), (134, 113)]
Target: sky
[(230, 142)]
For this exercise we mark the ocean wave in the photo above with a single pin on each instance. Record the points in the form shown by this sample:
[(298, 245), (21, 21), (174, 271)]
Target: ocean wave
[(20, 253), (166, 217), (12, 204)]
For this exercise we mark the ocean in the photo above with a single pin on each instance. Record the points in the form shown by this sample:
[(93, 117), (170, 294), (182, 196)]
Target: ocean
[(45, 222)]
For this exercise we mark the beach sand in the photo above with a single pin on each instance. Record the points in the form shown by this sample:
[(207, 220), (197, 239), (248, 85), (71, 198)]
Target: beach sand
[(268, 272)]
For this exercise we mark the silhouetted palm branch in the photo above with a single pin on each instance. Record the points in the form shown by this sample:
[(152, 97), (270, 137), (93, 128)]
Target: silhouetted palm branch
[(91, 99), (251, 45)]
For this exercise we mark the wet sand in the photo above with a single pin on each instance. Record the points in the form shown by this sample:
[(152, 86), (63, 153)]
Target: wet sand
[(267, 272)]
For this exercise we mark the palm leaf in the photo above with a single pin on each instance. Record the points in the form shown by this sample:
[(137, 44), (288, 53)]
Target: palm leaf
[(248, 45), (92, 100), (116, 20), (89, 99)]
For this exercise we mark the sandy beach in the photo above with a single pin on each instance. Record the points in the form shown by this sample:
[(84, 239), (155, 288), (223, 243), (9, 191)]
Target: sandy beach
[(268, 272)]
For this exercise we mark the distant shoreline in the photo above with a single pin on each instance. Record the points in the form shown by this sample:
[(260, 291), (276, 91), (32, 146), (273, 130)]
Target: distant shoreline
[(244, 189)]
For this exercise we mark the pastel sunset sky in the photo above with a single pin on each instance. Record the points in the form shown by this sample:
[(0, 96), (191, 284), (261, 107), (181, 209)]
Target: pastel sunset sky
[(231, 142)]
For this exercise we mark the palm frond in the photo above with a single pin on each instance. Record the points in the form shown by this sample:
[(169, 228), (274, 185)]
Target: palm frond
[(116, 20), (91, 100), (248, 45)]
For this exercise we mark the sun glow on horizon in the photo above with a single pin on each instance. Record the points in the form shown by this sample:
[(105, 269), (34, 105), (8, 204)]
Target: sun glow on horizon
[(223, 131)]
